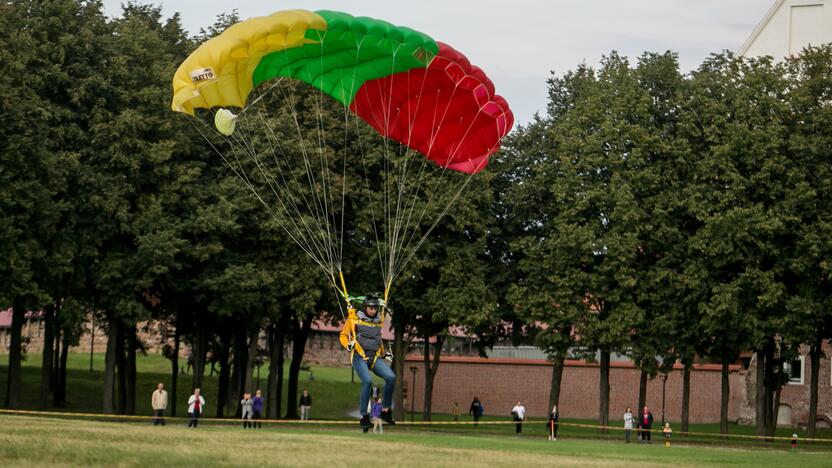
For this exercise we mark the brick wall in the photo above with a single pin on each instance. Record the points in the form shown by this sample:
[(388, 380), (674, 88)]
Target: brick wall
[(501, 382), (794, 401)]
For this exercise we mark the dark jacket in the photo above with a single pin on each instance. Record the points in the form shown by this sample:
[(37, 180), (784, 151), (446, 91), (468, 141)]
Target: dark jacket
[(257, 404), (649, 424), (476, 409), (553, 420), (554, 417), (305, 400)]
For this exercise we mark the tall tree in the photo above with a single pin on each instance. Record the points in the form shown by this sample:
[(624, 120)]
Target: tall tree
[(810, 86)]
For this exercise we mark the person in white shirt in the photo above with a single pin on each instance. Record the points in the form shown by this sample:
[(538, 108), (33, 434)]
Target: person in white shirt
[(196, 405), (628, 424), (159, 402), (519, 415)]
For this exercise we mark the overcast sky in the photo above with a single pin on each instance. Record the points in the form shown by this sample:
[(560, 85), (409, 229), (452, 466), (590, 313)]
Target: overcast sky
[(520, 42)]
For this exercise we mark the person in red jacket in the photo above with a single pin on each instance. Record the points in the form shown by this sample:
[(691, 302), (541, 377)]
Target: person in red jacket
[(645, 422)]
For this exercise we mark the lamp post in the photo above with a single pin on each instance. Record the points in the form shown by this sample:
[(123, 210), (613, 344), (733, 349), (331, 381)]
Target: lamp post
[(663, 376), (414, 370)]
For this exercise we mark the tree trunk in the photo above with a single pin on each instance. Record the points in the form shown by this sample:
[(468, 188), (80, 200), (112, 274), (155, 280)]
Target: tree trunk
[(604, 390), (271, 379), (222, 384), (174, 368), (60, 387), (248, 382), (399, 354), (775, 399), (110, 365), (769, 389), (276, 357), (15, 354), (814, 364), (557, 377), (299, 337), (726, 394), (774, 413), (46, 361), (200, 346), (56, 353), (431, 366), (642, 390), (130, 369), (56, 369), (686, 396), (760, 396), (121, 364), (238, 377)]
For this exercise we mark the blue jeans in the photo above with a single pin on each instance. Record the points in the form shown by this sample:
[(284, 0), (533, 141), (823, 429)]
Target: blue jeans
[(381, 369)]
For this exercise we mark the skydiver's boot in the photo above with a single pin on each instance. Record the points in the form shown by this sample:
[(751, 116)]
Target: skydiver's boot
[(387, 417)]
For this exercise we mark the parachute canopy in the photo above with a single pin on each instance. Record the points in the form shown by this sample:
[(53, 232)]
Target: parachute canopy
[(407, 86)]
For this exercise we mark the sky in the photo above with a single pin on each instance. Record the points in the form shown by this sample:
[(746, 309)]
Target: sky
[(520, 43)]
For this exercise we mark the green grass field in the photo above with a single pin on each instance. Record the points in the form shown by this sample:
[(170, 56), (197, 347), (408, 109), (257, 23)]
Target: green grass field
[(335, 397), (42, 441)]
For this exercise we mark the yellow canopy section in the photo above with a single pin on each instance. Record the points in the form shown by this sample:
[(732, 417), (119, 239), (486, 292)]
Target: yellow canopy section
[(219, 72)]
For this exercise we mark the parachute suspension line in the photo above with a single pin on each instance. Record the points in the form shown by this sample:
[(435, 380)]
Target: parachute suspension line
[(451, 202), (399, 227), (254, 192), (435, 223), (378, 244), (272, 139), (400, 181), (277, 83), (242, 141), (403, 221), (316, 187), (400, 244), (321, 210), (329, 215), (311, 242)]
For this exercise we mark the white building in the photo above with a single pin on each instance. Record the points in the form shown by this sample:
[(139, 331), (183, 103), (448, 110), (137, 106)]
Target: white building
[(788, 27)]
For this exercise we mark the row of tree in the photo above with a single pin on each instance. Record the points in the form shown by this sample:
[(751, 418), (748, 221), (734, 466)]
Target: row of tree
[(666, 216), (675, 217), (117, 209)]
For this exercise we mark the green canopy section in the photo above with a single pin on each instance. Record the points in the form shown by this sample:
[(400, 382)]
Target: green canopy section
[(350, 52)]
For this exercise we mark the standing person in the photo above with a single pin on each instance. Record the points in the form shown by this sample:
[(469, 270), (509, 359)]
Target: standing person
[(455, 411), (645, 421), (257, 408), (190, 360), (305, 403), (376, 413), (361, 336), (628, 424), (196, 405), (159, 402), (246, 404), (476, 410), (518, 413), (554, 417)]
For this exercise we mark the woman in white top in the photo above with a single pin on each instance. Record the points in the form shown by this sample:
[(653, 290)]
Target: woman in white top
[(519, 415), (628, 424), (196, 405)]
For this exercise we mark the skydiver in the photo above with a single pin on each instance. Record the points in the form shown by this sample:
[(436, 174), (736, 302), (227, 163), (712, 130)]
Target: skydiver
[(361, 336)]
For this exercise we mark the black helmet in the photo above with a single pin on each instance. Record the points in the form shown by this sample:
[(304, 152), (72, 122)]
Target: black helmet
[(371, 301)]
